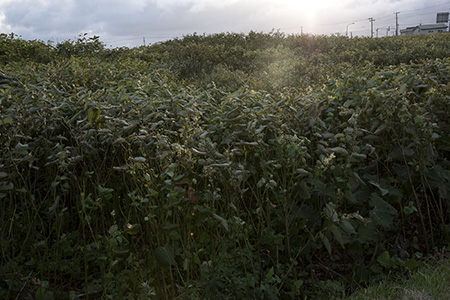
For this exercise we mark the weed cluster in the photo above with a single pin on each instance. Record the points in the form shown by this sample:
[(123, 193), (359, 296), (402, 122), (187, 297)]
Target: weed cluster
[(211, 167)]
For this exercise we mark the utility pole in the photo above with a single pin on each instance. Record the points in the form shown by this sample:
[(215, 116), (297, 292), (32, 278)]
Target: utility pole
[(301, 29), (371, 20), (396, 22), (144, 40), (346, 32), (377, 31), (387, 30)]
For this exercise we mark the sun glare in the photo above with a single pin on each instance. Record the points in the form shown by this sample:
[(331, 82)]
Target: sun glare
[(308, 13), (314, 7)]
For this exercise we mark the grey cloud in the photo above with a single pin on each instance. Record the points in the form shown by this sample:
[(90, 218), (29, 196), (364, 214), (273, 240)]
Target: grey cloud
[(121, 20)]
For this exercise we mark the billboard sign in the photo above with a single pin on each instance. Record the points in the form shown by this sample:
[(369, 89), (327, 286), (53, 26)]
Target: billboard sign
[(442, 17)]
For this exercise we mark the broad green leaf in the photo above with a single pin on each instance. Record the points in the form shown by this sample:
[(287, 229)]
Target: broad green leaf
[(21, 149), (350, 197), (383, 191), (298, 283), (272, 183), (270, 274), (444, 191), (7, 120), (339, 150), (304, 191), (326, 243), (339, 135), (119, 140), (93, 115), (55, 204), (302, 172), (331, 212), (309, 215), (385, 259), (382, 213), (222, 221), (412, 264), (261, 182), (348, 227), (220, 165), (337, 234), (410, 208), (357, 157), (380, 129), (132, 229), (139, 159), (367, 233), (260, 129), (6, 187)]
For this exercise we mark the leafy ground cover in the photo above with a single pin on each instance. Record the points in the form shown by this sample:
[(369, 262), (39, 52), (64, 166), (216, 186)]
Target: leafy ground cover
[(230, 166), (428, 282)]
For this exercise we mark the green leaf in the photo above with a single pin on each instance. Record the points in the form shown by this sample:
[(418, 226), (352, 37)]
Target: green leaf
[(93, 115), (304, 191), (298, 283), (337, 234), (132, 229), (6, 187), (367, 233), (412, 264), (382, 213), (385, 259), (55, 204), (410, 209), (350, 197), (223, 165), (260, 129), (339, 150), (139, 159), (326, 242), (7, 120), (357, 157), (383, 191), (261, 182), (21, 149), (222, 221), (348, 227), (331, 212), (270, 274), (164, 256), (272, 183), (380, 129)]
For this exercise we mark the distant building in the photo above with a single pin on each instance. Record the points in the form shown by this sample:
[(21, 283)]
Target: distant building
[(421, 29)]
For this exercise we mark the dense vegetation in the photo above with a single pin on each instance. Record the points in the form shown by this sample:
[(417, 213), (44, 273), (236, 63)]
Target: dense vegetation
[(227, 166)]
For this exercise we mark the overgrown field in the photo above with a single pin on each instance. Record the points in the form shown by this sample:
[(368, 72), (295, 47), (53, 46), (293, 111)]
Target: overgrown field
[(230, 166)]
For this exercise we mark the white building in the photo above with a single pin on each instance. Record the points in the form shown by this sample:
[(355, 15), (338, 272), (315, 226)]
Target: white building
[(421, 29)]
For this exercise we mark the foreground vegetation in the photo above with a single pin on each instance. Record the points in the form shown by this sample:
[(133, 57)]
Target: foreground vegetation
[(426, 283), (229, 166)]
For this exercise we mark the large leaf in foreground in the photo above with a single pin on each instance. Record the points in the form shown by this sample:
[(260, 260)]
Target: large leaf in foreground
[(382, 213)]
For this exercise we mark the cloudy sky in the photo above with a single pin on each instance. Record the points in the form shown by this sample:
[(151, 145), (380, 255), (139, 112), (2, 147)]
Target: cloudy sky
[(128, 22)]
